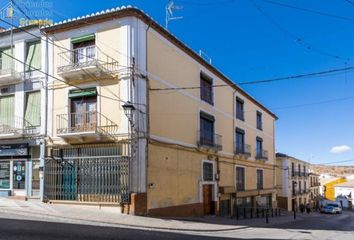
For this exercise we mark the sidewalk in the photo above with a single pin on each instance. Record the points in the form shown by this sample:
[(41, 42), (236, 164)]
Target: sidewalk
[(110, 216)]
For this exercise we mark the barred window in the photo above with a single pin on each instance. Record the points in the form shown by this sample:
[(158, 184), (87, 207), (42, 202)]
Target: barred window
[(208, 171), (240, 178)]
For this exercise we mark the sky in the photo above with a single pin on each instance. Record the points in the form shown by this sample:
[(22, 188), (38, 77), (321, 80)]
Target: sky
[(251, 40)]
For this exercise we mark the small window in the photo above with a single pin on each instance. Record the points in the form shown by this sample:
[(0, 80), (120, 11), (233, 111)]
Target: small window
[(240, 178), (208, 171), (206, 88), (259, 179), (240, 141), (292, 169), (240, 109), (259, 121), (206, 129), (259, 146)]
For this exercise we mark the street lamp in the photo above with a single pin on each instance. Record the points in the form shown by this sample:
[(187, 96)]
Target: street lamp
[(129, 110)]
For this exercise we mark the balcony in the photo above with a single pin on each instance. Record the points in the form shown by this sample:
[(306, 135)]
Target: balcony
[(17, 127), (10, 76), (209, 140), (243, 151), (262, 155), (86, 125), (86, 62)]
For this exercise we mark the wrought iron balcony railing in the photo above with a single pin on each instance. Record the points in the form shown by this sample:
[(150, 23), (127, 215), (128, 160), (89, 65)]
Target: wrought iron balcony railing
[(262, 155), (209, 140), (85, 123), (14, 126), (243, 150), (86, 57)]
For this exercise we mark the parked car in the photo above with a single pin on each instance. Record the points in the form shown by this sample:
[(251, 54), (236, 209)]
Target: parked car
[(337, 208), (328, 209)]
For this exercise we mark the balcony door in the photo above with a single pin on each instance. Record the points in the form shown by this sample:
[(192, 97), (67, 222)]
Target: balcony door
[(84, 114)]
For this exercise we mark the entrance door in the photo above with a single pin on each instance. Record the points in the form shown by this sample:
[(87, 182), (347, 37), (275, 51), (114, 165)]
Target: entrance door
[(208, 200), (19, 177)]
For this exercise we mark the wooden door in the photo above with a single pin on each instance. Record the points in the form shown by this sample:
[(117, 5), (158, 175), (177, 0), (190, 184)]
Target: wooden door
[(208, 199)]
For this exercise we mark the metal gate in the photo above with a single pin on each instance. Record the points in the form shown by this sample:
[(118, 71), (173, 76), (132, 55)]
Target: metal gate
[(87, 174)]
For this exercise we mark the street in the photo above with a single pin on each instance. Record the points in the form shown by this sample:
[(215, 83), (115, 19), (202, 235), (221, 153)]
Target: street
[(313, 226)]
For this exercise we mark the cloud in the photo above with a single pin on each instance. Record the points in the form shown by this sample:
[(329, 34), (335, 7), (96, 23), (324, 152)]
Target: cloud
[(340, 149)]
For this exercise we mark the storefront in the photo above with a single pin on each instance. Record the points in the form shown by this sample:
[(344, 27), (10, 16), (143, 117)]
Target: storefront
[(19, 170)]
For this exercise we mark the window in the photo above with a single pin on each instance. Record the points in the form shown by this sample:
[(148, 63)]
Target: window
[(240, 109), (259, 120), (83, 109), (206, 129), (33, 109), (304, 170), (299, 169), (206, 88), (7, 111), (240, 178), (240, 141), (33, 56), (84, 48), (208, 171), (259, 179), (5, 60), (259, 146), (305, 186), (300, 187), (294, 188), (4, 174), (292, 169)]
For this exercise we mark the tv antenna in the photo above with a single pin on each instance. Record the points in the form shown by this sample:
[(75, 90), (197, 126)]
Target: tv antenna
[(203, 55), (170, 7)]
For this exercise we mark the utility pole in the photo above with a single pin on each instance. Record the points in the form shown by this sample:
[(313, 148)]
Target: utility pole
[(170, 7)]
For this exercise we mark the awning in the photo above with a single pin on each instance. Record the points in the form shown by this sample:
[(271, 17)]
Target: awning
[(83, 38), (83, 93)]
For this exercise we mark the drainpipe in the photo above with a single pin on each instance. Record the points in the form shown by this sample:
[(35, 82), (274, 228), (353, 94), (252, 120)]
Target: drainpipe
[(233, 145)]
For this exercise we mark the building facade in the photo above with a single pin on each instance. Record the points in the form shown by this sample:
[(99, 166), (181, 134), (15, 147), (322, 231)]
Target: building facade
[(315, 186), (293, 182), (115, 134), (22, 121)]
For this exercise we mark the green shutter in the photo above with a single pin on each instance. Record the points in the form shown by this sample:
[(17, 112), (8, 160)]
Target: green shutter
[(33, 58), (83, 93), (83, 38), (5, 61), (33, 109), (7, 111)]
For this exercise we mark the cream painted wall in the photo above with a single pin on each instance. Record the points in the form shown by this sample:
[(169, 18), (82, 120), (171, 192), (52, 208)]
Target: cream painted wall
[(175, 114)]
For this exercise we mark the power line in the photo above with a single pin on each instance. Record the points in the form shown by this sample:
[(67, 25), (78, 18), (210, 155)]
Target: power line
[(298, 40), (309, 10), (313, 74)]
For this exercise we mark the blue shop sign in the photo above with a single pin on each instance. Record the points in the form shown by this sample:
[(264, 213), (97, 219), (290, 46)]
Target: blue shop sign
[(14, 150)]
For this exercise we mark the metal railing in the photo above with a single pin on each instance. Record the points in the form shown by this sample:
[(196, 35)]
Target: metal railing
[(262, 155), (97, 173), (209, 140), (81, 122), (17, 126), (245, 150), (86, 57), (258, 212)]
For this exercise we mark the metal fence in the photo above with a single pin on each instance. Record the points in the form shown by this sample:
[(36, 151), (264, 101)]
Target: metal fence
[(88, 174)]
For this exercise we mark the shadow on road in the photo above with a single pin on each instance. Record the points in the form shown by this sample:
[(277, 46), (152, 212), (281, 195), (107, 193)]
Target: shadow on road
[(25, 229)]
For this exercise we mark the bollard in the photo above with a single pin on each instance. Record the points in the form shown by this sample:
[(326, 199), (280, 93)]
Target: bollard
[(267, 216), (237, 214), (251, 213), (294, 214), (244, 213)]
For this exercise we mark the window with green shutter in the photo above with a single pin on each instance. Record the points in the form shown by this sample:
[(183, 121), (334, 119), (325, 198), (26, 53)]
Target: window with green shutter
[(5, 60), (7, 111), (33, 57), (33, 109)]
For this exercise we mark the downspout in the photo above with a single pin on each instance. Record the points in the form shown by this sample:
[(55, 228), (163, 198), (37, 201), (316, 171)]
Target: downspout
[(234, 144)]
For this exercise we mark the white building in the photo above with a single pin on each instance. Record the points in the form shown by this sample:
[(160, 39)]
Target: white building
[(22, 122), (344, 189)]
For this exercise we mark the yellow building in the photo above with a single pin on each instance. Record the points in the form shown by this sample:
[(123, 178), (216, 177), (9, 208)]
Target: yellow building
[(293, 182), (329, 188), (119, 75)]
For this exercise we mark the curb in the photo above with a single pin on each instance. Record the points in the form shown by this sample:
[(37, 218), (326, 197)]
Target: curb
[(26, 213)]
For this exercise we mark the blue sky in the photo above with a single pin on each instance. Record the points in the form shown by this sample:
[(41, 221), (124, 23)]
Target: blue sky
[(254, 40)]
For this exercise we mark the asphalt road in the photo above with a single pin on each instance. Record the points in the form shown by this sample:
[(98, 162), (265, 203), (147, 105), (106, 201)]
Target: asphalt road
[(314, 226)]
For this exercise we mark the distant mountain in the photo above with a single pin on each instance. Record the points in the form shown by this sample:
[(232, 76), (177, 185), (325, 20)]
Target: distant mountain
[(337, 171)]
